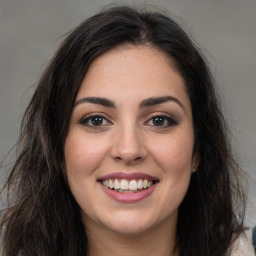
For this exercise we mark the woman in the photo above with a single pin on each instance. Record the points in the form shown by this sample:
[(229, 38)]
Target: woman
[(124, 149)]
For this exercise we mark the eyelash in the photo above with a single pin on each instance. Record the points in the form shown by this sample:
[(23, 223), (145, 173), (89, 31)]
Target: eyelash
[(85, 120), (168, 121)]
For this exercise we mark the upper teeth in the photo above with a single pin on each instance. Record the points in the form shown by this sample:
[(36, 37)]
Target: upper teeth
[(127, 184)]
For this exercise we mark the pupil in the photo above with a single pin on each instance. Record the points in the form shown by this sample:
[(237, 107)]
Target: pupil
[(97, 121), (158, 121)]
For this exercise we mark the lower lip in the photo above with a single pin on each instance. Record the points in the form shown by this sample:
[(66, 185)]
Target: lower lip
[(128, 197)]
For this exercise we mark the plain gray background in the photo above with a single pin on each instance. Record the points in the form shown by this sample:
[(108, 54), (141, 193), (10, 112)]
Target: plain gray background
[(225, 30)]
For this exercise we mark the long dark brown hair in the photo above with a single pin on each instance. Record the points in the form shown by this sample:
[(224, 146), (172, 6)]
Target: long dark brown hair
[(44, 219)]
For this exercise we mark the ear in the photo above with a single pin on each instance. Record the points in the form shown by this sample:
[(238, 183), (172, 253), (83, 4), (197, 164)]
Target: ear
[(195, 162)]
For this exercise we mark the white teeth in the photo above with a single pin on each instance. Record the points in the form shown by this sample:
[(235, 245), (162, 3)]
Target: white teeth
[(110, 183), (116, 184), (145, 184), (124, 184), (133, 185), (127, 186), (140, 184), (105, 183)]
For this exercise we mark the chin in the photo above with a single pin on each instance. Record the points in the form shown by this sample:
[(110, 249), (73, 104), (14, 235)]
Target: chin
[(125, 222), (127, 229)]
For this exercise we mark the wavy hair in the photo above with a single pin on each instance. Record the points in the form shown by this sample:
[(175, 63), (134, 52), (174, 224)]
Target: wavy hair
[(43, 218)]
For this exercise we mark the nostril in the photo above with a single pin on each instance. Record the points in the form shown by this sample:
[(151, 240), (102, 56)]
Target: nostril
[(128, 146), (129, 160)]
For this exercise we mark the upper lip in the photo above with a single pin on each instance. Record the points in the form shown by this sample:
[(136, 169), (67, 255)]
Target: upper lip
[(127, 176)]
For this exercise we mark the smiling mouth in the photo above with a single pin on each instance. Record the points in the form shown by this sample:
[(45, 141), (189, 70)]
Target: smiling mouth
[(128, 186)]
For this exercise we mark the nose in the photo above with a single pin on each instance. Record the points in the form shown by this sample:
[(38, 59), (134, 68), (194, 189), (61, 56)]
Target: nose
[(128, 146)]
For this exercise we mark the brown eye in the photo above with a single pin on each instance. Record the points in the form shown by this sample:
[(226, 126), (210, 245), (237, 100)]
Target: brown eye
[(97, 120), (94, 121), (161, 121), (158, 121)]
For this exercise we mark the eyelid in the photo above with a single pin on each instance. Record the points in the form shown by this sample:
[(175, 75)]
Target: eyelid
[(87, 117), (170, 119)]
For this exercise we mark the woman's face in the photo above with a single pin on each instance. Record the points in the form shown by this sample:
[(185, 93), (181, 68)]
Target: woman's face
[(129, 149)]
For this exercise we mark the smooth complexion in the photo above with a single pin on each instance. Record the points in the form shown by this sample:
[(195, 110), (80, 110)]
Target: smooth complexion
[(132, 116)]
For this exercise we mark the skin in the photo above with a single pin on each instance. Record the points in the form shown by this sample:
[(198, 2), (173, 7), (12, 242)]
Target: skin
[(128, 141)]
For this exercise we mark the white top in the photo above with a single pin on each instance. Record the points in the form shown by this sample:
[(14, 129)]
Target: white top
[(242, 247)]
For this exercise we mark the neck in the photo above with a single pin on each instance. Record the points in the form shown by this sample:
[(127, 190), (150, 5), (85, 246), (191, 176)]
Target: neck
[(156, 241)]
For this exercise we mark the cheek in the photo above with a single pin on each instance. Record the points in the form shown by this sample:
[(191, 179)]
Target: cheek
[(174, 154), (177, 168), (174, 158), (82, 153)]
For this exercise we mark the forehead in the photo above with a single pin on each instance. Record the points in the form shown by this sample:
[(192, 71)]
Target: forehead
[(133, 72)]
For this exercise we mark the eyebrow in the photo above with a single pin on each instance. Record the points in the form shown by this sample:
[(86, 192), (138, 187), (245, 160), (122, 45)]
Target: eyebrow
[(145, 103), (159, 100), (97, 100)]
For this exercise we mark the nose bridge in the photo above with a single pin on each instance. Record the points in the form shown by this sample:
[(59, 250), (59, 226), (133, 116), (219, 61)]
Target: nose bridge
[(128, 143)]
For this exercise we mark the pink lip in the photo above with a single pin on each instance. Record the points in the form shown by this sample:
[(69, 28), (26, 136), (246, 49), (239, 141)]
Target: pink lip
[(127, 176), (128, 197)]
